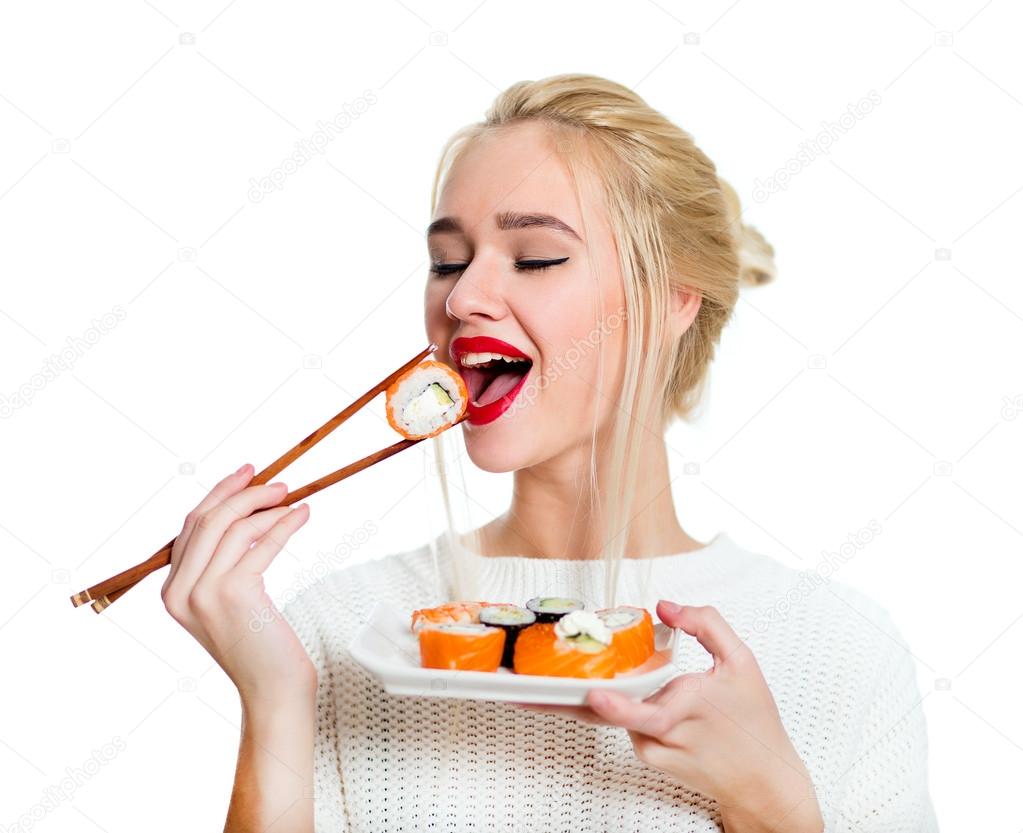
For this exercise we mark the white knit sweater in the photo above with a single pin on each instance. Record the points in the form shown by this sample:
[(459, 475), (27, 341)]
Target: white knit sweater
[(845, 687)]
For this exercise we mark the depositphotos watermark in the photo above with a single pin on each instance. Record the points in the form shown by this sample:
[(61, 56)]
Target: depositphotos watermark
[(820, 574), (61, 362), (64, 790), (306, 149), (1012, 406), (569, 360), (813, 148), (322, 566)]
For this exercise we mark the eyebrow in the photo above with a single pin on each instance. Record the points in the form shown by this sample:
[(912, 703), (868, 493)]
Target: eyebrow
[(506, 220)]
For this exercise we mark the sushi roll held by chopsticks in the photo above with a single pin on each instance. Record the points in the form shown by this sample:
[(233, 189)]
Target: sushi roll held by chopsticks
[(425, 400)]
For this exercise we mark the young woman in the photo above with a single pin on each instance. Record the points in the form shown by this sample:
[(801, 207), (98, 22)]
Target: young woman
[(579, 229)]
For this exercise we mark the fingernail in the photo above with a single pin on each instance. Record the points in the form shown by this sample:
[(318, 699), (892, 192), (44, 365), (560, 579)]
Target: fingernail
[(277, 483), (242, 468), (671, 607)]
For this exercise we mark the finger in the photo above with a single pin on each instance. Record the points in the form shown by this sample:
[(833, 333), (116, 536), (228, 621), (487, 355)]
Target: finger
[(211, 526), (230, 485), (635, 715), (257, 559), (706, 624), (652, 752), (678, 702), (240, 536)]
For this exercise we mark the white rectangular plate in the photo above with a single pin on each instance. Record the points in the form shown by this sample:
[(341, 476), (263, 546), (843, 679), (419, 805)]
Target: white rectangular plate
[(386, 647)]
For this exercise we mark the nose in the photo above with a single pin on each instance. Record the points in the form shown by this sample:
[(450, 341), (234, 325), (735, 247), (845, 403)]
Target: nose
[(476, 295)]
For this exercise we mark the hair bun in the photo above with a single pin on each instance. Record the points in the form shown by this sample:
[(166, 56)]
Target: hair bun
[(756, 255)]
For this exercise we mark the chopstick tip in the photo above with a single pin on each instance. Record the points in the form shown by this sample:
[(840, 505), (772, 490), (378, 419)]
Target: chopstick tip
[(80, 598)]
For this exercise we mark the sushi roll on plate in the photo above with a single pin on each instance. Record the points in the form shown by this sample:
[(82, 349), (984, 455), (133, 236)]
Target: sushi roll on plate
[(559, 662), (457, 612), (578, 645), (460, 646), (632, 634), (552, 608), (512, 619), (425, 400)]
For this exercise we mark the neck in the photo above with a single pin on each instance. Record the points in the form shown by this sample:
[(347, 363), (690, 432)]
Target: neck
[(551, 516)]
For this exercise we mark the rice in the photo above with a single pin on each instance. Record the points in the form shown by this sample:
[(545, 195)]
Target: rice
[(425, 400)]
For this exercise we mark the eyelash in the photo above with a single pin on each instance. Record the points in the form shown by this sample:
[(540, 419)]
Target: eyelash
[(443, 269)]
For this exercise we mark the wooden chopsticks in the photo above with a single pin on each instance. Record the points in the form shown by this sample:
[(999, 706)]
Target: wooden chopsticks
[(106, 592)]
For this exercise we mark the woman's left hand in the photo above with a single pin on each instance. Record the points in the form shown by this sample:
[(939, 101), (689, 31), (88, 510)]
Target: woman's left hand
[(718, 732)]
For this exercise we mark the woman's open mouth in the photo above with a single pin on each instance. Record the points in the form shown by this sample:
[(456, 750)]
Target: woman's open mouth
[(494, 372)]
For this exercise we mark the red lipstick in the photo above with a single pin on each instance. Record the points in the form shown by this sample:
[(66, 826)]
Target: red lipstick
[(482, 414)]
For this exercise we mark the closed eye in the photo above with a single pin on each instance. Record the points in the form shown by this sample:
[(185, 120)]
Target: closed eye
[(447, 268), (538, 265), (532, 265)]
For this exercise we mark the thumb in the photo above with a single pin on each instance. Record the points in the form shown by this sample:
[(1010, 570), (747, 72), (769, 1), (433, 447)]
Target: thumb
[(705, 623)]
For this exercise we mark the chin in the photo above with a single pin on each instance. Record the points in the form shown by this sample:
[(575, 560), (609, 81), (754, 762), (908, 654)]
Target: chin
[(495, 448)]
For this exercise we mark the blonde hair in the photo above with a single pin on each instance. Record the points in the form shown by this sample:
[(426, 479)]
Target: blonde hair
[(676, 224)]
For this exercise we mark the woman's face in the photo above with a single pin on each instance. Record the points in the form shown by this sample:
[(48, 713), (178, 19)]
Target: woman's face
[(512, 260)]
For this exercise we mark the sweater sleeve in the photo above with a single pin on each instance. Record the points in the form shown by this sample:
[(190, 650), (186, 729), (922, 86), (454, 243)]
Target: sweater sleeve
[(884, 788)]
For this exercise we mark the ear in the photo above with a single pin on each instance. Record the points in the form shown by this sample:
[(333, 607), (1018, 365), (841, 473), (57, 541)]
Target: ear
[(685, 303)]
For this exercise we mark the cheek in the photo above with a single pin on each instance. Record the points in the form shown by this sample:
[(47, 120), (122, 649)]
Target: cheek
[(589, 320), (438, 325), (571, 361), (610, 331), (592, 364)]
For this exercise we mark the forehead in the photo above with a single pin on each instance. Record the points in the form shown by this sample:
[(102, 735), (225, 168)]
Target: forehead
[(517, 167)]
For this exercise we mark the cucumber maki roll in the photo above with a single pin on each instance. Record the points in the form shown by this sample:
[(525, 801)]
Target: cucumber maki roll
[(511, 619), (552, 608)]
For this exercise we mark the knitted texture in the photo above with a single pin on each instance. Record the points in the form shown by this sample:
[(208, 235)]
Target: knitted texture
[(844, 684)]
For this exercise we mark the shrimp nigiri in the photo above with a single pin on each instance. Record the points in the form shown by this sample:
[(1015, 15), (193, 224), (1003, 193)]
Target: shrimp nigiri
[(464, 612)]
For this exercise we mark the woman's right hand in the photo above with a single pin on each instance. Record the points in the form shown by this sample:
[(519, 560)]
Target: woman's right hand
[(215, 588)]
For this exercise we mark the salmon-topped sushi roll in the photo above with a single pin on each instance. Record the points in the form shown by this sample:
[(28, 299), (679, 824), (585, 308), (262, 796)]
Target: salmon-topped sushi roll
[(461, 646), (427, 399), (577, 645), (632, 632)]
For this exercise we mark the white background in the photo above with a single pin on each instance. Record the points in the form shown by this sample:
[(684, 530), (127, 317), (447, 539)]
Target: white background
[(878, 379)]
